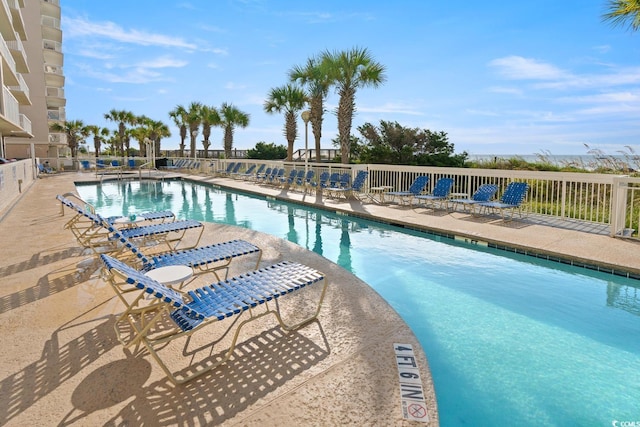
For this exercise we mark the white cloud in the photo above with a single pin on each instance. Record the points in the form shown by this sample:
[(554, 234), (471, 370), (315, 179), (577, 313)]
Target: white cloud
[(520, 68), (79, 27)]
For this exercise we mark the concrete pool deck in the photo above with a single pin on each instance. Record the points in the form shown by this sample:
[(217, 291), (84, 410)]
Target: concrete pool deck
[(61, 363)]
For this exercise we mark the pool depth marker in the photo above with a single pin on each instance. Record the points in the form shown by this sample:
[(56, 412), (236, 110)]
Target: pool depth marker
[(411, 392)]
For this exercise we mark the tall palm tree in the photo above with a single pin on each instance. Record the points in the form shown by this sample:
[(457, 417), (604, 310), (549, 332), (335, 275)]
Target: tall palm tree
[(210, 117), (123, 118), (230, 118), (76, 133), (624, 12), (99, 136), (349, 71), (179, 117), (315, 78), (193, 122), (287, 99), (152, 130)]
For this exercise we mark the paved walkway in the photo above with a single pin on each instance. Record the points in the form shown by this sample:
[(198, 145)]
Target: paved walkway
[(61, 363)]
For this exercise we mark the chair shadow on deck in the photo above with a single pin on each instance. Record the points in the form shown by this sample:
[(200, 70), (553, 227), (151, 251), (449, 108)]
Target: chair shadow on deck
[(51, 283), (58, 363), (259, 366)]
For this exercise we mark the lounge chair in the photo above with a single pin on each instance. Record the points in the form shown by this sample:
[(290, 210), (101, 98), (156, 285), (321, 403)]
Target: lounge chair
[(440, 193), (45, 169), (511, 200), (131, 164), (203, 259), (416, 188), (321, 182), (93, 232), (306, 181), (174, 314), (85, 165), (353, 190), (275, 176), (247, 173), (255, 175), (227, 170), (288, 180), (484, 193)]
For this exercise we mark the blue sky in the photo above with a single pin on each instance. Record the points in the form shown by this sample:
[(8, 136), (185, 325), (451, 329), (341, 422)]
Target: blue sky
[(498, 77)]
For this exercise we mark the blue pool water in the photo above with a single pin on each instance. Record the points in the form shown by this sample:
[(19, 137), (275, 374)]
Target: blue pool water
[(511, 340)]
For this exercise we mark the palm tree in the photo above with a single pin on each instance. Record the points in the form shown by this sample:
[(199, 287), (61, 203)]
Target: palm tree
[(624, 12), (230, 118), (123, 118), (152, 130), (179, 117), (76, 133), (193, 121), (99, 135), (287, 99), (316, 79), (348, 71), (210, 117)]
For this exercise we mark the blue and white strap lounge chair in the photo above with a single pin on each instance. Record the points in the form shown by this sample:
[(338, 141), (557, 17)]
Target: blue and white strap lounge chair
[(355, 189), (440, 193), (484, 193), (416, 188), (511, 200), (94, 232), (203, 259), (175, 314)]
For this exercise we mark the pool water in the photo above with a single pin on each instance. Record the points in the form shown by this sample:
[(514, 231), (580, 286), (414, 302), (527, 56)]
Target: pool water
[(511, 340)]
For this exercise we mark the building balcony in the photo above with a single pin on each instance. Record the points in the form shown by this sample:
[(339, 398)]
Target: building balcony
[(58, 139), (51, 28), (16, 17), (21, 91), (55, 97), (52, 51), (53, 75), (19, 55), (50, 7), (6, 22), (9, 73), (10, 114), (57, 115)]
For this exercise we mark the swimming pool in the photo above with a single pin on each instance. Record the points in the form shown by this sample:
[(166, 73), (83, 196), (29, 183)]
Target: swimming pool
[(510, 339)]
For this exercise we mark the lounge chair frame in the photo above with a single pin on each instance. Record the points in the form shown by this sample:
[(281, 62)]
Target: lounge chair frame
[(173, 314), (511, 201)]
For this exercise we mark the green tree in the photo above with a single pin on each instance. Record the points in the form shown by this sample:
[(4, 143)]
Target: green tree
[(99, 136), (230, 118), (264, 151), (179, 117), (193, 122), (315, 77), (76, 133), (348, 71), (623, 13), (152, 130), (287, 99), (391, 143), (123, 118), (210, 117)]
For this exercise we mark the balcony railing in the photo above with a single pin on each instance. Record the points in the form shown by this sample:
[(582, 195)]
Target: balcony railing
[(57, 114), (56, 92), (25, 123), (52, 45), (10, 108), (56, 2), (49, 21)]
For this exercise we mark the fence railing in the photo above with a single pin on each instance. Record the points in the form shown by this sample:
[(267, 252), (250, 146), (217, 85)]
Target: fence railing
[(598, 198), (604, 199)]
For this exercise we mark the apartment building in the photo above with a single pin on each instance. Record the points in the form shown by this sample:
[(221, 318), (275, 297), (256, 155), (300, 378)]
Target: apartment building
[(32, 79)]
